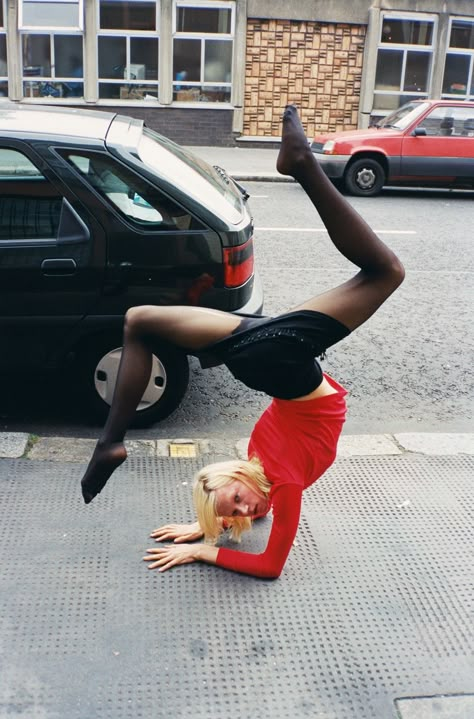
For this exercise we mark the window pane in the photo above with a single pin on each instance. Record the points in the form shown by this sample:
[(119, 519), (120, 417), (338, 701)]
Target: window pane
[(123, 15), (36, 56), (127, 91), (417, 71), (112, 57), (68, 59), (456, 73), (191, 19), (30, 207), (68, 55), (143, 58), (462, 35), (389, 70), (50, 14), (132, 196), (1, 14), (3, 56), (201, 93), (187, 60), (218, 61), (407, 32)]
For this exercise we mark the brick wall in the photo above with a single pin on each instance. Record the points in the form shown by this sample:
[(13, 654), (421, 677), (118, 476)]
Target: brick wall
[(317, 66), (186, 126)]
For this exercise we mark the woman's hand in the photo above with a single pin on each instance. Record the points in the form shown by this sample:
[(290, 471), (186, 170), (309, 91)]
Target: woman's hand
[(178, 533), (163, 558)]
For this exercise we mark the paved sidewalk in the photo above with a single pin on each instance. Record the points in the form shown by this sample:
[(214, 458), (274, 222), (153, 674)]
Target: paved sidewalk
[(242, 163), (371, 617)]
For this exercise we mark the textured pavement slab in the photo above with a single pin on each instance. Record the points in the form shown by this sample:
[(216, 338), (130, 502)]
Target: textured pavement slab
[(374, 605), (460, 707)]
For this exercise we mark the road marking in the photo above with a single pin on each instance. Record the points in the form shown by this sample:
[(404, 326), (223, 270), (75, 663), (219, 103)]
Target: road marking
[(264, 197), (323, 229)]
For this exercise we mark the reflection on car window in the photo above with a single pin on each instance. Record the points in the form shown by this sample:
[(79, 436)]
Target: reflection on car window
[(449, 121), (404, 116), (30, 206), (130, 194)]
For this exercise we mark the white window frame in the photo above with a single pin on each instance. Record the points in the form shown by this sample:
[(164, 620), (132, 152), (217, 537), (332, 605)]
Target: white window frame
[(202, 4), (460, 51), (203, 36), (405, 48), (67, 29), (127, 35)]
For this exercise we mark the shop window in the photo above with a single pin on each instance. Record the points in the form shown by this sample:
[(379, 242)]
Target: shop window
[(458, 80), (203, 41), (52, 65), (128, 49), (404, 60), (65, 14)]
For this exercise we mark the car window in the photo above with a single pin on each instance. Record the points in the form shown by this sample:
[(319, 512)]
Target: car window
[(449, 121), (30, 206), (208, 185), (404, 116), (141, 203)]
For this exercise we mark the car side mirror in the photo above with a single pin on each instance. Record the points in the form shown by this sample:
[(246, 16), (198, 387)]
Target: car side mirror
[(419, 132), (72, 230)]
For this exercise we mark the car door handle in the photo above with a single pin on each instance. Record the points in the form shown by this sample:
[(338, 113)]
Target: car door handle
[(58, 267)]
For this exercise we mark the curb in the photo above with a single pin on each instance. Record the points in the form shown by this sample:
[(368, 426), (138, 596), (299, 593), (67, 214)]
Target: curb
[(242, 176), (16, 445)]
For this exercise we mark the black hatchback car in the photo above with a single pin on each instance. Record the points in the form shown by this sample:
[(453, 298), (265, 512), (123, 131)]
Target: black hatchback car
[(99, 213)]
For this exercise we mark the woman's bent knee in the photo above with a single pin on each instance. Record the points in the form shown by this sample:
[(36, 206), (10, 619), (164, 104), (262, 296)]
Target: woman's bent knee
[(138, 318)]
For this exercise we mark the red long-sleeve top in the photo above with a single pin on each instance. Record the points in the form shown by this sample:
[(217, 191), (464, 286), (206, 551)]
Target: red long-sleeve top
[(296, 442)]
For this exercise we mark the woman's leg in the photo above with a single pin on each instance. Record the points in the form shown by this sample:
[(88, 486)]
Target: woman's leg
[(381, 272), (186, 327)]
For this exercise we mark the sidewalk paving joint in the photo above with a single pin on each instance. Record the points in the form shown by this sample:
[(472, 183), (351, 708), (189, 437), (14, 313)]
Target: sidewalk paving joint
[(15, 445)]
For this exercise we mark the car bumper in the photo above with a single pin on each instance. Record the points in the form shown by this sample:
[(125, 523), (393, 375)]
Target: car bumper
[(333, 165), (255, 304)]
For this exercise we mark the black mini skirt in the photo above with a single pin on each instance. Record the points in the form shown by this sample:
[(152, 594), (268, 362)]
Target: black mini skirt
[(277, 355)]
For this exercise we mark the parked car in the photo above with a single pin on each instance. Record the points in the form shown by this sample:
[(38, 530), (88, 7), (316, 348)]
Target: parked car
[(423, 143), (99, 213)]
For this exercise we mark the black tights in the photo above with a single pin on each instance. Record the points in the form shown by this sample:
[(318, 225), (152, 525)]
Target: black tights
[(352, 303)]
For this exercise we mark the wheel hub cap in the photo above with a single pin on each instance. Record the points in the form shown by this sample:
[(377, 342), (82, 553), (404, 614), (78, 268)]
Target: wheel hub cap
[(365, 178), (106, 375)]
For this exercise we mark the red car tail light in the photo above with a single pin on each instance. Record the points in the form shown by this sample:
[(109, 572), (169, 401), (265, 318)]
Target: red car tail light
[(238, 264)]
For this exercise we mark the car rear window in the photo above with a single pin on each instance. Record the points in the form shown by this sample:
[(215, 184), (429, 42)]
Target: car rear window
[(192, 175)]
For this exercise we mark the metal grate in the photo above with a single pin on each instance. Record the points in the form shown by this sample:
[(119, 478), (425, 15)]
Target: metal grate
[(374, 605)]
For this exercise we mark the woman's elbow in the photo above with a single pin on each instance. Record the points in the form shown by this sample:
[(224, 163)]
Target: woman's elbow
[(272, 571)]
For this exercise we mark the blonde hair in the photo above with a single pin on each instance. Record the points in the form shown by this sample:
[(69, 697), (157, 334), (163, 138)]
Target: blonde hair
[(218, 475)]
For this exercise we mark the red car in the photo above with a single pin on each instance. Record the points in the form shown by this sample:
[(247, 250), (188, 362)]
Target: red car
[(425, 142)]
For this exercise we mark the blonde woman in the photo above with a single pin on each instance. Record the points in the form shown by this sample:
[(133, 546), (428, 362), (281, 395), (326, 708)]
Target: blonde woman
[(295, 440)]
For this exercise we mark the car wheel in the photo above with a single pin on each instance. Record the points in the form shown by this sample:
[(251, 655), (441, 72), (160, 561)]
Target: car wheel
[(364, 177), (98, 366)]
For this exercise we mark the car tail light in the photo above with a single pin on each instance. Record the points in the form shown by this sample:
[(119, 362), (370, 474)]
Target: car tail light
[(238, 264)]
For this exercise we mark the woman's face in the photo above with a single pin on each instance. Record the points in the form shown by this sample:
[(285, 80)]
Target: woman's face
[(236, 499)]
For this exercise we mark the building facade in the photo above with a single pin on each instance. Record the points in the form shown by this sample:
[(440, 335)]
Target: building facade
[(220, 71)]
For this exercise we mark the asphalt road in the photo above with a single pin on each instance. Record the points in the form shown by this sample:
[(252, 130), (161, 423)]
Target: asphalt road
[(408, 369)]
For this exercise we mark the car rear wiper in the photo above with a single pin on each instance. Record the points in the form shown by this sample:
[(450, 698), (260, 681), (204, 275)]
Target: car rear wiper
[(226, 179)]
